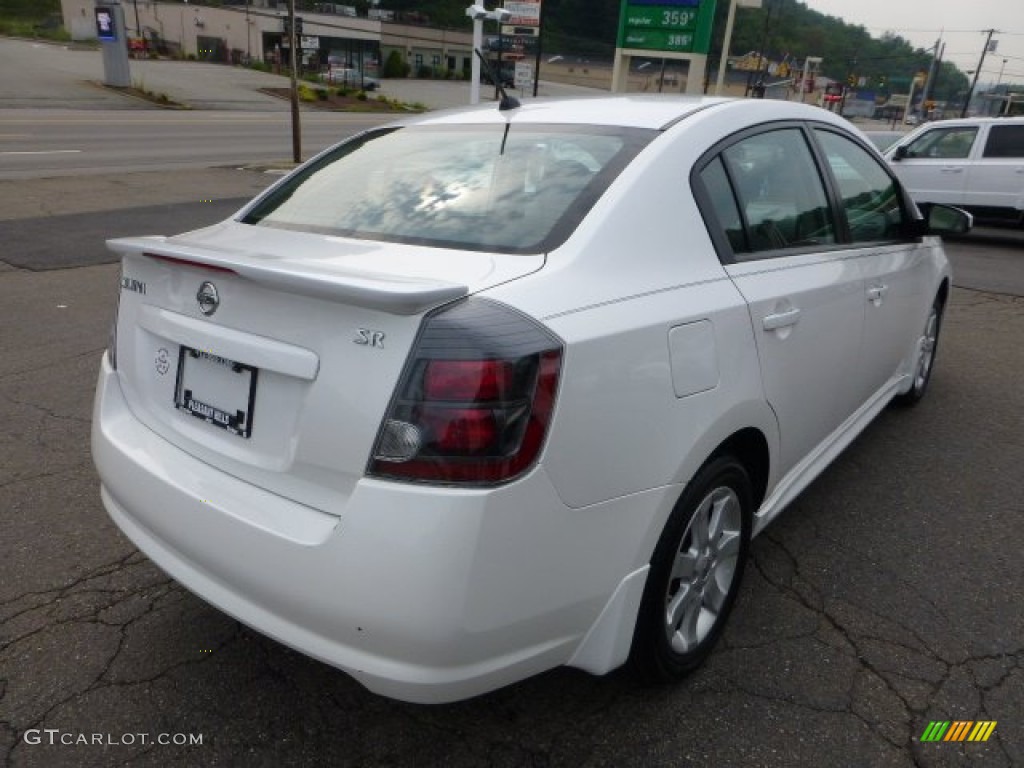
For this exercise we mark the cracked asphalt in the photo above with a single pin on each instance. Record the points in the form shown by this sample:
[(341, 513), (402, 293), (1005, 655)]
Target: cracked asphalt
[(888, 595)]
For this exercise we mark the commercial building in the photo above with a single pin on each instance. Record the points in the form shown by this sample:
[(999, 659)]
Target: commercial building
[(255, 31)]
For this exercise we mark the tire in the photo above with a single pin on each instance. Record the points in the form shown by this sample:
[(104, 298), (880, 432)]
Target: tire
[(929, 343), (695, 573)]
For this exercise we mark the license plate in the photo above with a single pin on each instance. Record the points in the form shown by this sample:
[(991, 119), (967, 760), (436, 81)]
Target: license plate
[(219, 391)]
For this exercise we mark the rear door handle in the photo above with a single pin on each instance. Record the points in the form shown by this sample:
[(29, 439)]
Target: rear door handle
[(877, 292), (952, 169), (781, 319)]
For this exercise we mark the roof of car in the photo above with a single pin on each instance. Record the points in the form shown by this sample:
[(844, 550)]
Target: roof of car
[(628, 111), (978, 120)]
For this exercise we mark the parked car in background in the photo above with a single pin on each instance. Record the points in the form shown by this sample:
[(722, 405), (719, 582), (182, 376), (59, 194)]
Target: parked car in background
[(351, 78), (481, 393), (884, 139), (976, 164)]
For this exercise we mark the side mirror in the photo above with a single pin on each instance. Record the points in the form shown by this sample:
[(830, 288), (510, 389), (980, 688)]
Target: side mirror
[(946, 220), (900, 153)]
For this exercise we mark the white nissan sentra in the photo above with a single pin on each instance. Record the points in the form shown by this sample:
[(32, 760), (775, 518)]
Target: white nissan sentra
[(487, 392)]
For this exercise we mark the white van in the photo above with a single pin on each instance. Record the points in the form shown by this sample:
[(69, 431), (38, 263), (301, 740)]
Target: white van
[(975, 163)]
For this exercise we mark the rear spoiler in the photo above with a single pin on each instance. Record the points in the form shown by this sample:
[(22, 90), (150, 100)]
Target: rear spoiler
[(387, 293)]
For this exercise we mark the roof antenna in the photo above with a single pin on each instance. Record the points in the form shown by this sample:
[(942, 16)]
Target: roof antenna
[(507, 102)]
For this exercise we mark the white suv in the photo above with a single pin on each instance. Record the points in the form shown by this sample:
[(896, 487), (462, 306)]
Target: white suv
[(976, 164)]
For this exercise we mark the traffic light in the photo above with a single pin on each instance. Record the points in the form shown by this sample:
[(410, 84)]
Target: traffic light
[(288, 26)]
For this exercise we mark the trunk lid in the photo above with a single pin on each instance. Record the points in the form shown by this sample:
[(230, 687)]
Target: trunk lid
[(285, 382)]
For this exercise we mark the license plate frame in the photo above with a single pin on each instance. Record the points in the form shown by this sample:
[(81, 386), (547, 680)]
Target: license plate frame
[(229, 385)]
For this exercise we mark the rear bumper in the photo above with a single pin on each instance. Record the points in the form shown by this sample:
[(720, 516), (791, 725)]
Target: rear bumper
[(422, 594)]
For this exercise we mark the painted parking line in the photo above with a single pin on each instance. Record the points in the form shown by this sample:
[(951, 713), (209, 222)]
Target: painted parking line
[(42, 152)]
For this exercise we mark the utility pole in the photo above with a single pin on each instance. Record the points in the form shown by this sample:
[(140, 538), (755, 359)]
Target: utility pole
[(762, 62), (977, 72), (293, 49), (248, 36), (540, 31), (933, 75), (138, 27), (851, 73)]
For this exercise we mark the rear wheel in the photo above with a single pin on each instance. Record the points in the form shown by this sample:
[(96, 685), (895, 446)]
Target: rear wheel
[(695, 573), (928, 342)]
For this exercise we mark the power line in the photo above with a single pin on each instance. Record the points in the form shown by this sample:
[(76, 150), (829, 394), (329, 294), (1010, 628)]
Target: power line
[(942, 30)]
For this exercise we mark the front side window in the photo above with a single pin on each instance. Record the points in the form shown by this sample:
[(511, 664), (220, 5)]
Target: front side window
[(481, 187), (870, 196), (780, 193), (944, 143), (1005, 141)]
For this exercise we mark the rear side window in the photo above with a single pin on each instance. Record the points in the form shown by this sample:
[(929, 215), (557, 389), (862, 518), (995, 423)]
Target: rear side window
[(780, 193), (716, 182), (519, 189), (1005, 141), (944, 143), (869, 195)]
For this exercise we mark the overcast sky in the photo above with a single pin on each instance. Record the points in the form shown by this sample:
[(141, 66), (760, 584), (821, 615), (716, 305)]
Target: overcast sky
[(922, 21)]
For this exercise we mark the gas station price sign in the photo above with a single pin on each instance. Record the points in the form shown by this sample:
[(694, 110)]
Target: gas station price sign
[(681, 26)]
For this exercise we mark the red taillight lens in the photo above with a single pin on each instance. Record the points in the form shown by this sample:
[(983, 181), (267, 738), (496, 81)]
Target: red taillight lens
[(475, 401), (461, 431), (467, 380)]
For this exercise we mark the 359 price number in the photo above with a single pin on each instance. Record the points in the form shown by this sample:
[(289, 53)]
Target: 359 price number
[(678, 18)]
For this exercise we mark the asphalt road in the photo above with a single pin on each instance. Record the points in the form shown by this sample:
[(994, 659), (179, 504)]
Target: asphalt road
[(888, 594), (36, 142)]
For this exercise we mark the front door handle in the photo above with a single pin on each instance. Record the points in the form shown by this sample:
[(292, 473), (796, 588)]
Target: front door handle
[(781, 319), (953, 169)]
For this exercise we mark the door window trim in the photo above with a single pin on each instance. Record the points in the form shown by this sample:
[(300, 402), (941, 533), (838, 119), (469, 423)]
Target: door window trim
[(716, 231)]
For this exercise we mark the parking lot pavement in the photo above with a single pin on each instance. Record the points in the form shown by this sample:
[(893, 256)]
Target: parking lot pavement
[(888, 595), (34, 74)]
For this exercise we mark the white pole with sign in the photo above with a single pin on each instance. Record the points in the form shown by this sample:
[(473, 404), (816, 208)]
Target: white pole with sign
[(727, 41)]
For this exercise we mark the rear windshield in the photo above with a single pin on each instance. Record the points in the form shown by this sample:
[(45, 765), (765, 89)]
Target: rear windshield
[(499, 188)]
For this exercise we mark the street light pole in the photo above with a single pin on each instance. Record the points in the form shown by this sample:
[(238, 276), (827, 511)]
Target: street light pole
[(478, 13), (478, 43)]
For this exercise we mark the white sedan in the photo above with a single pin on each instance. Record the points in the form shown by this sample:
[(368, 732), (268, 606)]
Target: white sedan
[(487, 392)]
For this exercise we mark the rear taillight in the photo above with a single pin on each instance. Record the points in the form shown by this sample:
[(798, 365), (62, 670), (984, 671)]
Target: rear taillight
[(112, 338), (475, 401)]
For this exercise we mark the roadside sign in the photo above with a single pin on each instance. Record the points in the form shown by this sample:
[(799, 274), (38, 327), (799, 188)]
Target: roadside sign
[(680, 26), (106, 30), (524, 75), (525, 13)]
